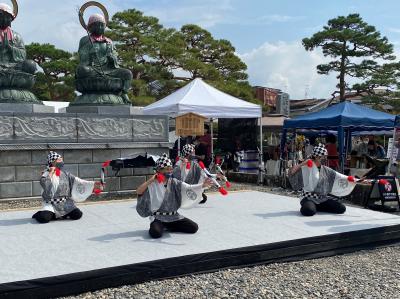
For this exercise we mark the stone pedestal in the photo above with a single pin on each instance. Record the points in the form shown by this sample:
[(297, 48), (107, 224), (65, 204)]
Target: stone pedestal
[(103, 109), (25, 108)]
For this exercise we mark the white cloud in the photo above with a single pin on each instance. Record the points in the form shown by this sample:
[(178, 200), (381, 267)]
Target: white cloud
[(205, 13), (289, 67), (269, 19)]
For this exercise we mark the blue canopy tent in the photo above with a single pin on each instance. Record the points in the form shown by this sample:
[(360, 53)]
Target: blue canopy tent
[(346, 118)]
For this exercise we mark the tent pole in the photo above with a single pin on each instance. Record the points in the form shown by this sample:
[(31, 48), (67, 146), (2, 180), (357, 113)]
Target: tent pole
[(179, 145), (260, 168), (212, 140), (341, 142)]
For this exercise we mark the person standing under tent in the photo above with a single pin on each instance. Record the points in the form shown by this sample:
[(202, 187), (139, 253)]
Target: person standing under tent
[(206, 142), (308, 149), (160, 198), (319, 183), (333, 155), (380, 151), (60, 191)]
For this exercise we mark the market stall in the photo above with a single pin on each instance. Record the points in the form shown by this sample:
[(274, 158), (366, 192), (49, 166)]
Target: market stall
[(203, 99), (345, 118)]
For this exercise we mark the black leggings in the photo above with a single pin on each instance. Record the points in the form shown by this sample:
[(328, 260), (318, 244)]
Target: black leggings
[(309, 208), (47, 216), (184, 225)]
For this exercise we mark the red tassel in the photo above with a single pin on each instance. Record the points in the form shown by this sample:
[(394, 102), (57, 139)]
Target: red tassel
[(228, 185), (160, 178), (107, 163), (201, 164), (58, 172), (97, 191), (383, 182), (188, 165), (351, 179), (310, 163), (223, 191)]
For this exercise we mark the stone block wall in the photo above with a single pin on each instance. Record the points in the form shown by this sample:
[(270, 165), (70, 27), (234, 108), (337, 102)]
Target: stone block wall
[(20, 170), (84, 140)]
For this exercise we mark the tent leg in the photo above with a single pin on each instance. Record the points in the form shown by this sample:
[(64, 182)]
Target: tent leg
[(212, 140), (261, 166), (179, 145), (341, 143)]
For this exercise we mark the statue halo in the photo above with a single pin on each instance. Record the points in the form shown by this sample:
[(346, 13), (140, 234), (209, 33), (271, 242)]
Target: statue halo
[(84, 7)]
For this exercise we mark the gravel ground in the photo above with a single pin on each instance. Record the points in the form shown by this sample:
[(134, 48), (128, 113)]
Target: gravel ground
[(365, 274)]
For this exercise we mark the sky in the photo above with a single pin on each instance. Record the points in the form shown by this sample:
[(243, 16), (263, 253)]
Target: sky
[(266, 34)]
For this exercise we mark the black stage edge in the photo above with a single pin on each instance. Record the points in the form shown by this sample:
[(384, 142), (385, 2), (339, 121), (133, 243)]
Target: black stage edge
[(293, 250)]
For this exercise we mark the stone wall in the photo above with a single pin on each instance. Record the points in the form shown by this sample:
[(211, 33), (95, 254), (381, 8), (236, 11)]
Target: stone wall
[(85, 141), (20, 170)]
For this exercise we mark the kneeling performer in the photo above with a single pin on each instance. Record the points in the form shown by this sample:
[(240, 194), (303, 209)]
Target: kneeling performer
[(162, 195), (317, 182), (60, 191)]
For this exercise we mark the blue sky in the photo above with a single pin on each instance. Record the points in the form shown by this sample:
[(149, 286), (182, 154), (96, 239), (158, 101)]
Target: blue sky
[(266, 34)]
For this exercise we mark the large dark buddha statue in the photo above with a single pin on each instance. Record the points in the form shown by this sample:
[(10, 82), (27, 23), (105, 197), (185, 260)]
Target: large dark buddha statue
[(16, 72), (98, 76)]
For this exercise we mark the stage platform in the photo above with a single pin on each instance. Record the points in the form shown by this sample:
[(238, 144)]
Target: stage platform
[(110, 245)]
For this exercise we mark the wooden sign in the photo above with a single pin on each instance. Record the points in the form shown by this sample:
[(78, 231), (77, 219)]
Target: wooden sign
[(190, 124)]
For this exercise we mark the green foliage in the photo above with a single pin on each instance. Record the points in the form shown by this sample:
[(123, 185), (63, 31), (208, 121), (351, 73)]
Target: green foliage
[(56, 82), (355, 48), (155, 55)]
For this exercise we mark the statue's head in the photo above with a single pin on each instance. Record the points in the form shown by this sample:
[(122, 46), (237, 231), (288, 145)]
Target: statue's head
[(6, 16), (97, 24)]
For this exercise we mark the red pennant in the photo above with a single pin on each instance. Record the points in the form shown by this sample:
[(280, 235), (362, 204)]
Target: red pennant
[(310, 163), (383, 182), (228, 185), (201, 164), (351, 179), (188, 165), (222, 191), (58, 172), (107, 163), (160, 178)]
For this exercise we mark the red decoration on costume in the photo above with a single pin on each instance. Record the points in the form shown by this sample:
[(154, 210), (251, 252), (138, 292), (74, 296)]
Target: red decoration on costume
[(310, 163), (351, 179), (188, 165), (160, 178), (97, 191), (201, 164), (177, 159), (228, 185), (222, 191), (383, 182), (58, 172), (107, 163), (218, 160)]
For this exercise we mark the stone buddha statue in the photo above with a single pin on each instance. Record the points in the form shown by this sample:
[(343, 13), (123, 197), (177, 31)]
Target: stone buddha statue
[(16, 72), (98, 76)]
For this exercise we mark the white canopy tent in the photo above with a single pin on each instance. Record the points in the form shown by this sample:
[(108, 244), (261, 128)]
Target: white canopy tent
[(201, 98)]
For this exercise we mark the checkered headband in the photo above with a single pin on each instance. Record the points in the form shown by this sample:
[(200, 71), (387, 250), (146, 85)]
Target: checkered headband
[(52, 156), (163, 162), (320, 151), (187, 150)]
